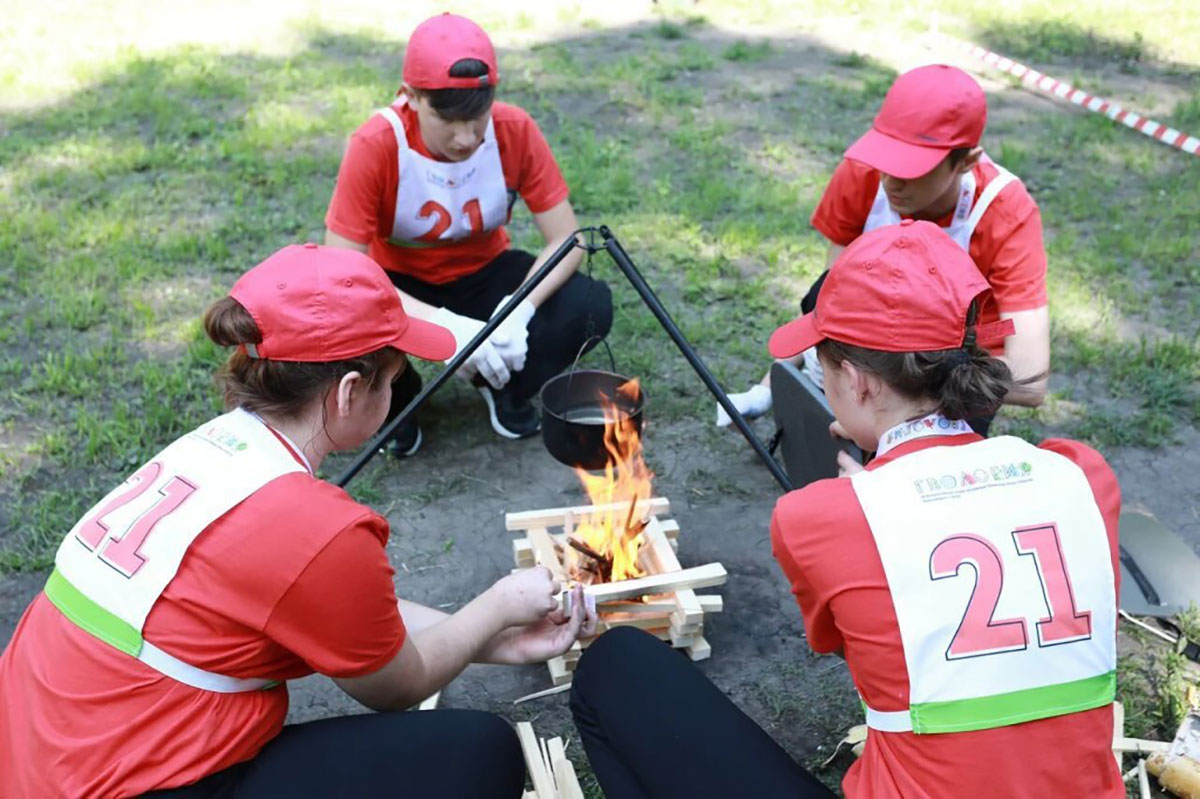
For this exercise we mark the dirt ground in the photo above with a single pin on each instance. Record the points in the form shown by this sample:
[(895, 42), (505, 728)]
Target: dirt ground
[(447, 514), (448, 540)]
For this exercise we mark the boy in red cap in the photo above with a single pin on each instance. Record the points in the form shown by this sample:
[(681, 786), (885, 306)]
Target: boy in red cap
[(922, 159), (157, 656), (426, 187), (971, 584)]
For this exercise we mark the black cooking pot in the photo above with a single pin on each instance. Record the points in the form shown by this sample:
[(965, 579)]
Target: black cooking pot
[(573, 418)]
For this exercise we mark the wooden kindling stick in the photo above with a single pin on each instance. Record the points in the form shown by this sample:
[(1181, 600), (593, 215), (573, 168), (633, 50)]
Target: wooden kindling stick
[(605, 564), (654, 506), (629, 515), (633, 529), (1139, 746), (709, 603), (704, 576)]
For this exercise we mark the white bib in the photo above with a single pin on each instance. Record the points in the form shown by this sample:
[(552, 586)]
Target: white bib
[(439, 201), (962, 227), (998, 564), (966, 214), (119, 558)]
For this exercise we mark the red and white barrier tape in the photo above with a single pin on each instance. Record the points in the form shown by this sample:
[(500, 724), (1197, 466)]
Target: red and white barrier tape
[(1031, 77)]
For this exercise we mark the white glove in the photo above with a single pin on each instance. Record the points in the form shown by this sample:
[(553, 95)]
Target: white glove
[(511, 339), (812, 365), (485, 361), (751, 404)]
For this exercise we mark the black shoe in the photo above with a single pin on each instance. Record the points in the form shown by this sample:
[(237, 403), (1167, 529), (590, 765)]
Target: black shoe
[(510, 418), (406, 441), (407, 438)]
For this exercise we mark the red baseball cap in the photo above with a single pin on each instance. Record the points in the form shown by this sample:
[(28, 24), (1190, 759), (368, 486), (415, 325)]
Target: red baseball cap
[(315, 304), (928, 112), (439, 43), (899, 288)]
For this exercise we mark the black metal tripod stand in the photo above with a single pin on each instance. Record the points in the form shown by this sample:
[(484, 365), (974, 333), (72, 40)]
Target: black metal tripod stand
[(623, 262)]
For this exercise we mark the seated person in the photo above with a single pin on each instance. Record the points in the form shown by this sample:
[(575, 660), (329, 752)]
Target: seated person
[(426, 187), (971, 584), (156, 660), (922, 159)]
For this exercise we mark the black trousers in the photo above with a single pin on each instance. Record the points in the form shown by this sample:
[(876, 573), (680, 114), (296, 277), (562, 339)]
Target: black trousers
[(980, 424), (456, 754), (654, 726), (580, 309)]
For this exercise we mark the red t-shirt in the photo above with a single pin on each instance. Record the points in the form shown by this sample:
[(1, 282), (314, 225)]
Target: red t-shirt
[(1006, 246), (823, 543), (363, 207), (293, 580)]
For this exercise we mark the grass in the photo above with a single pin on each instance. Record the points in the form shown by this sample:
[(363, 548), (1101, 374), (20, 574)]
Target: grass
[(1152, 681), (133, 202), (1060, 38), (747, 51)]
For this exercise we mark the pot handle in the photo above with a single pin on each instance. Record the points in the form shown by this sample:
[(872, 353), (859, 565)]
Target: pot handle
[(612, 363), (591, 248)]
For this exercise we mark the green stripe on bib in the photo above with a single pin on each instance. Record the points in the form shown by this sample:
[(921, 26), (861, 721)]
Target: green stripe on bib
[(89, 616), (413, 245), (1001, 710), (422, 245)]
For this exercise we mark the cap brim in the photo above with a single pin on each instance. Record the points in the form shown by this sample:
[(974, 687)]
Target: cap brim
[(794, 337), (894, 157), (426, 340)]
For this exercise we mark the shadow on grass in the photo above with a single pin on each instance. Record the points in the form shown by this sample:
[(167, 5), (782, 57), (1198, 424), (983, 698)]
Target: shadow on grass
[(190, 167), (705, 152)]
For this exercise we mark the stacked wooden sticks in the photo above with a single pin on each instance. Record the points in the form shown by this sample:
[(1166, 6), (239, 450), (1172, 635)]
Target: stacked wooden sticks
[(550, 771), (664, 602)]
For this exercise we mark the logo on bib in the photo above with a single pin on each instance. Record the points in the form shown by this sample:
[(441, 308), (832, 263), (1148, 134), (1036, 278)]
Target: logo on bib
[(942, 486), (444, 182), (222, 439)]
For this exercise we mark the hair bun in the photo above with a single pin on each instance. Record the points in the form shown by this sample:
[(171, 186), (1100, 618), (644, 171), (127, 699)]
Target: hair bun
[(975, 383), (229, 324), (957, 358)]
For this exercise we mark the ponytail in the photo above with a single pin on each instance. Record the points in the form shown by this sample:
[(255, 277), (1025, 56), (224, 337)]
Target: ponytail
[(229, 324), (965, 382)]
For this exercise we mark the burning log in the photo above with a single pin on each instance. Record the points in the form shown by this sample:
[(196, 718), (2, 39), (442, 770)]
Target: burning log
[(604, 564), (633, 530)]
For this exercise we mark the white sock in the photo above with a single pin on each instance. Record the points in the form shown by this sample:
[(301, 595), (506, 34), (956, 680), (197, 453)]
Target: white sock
[(812, 365), (750, 404)]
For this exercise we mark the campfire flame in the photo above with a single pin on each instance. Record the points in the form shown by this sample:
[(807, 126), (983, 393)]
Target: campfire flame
[(615, 532)]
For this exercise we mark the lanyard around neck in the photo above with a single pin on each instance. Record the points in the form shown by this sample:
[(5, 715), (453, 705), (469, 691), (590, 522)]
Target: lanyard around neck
[(932, 425)]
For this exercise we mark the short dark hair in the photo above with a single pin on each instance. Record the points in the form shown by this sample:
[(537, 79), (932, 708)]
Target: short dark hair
[(958, 154), (458, 105)]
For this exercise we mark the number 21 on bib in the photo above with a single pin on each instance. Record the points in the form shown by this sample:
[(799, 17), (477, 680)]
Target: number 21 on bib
[(999, 567), (440, 201)]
